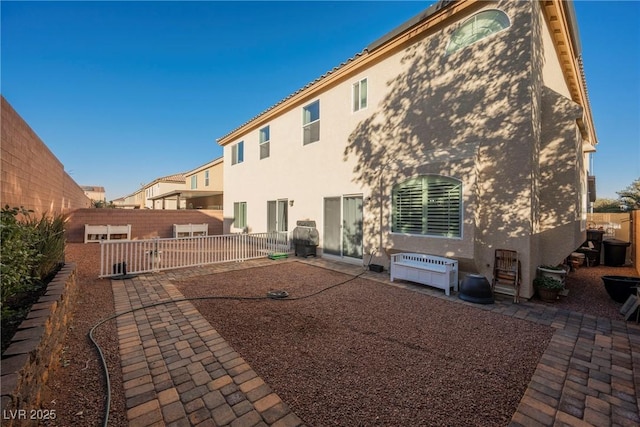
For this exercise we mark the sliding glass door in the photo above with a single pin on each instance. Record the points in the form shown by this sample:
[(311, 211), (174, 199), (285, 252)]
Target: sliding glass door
[(343, 226), (278, 215)]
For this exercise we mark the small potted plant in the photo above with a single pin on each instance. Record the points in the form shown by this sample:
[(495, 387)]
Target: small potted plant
[(548, 288), (555, 272)]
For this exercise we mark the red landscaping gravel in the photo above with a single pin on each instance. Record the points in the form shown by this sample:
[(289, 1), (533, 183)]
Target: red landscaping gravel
[(359, 350), (365, 353), (76, 390), (587, 293)]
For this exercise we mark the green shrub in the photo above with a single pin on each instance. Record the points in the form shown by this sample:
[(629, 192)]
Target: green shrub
[(31, 250), (18, 256), (49, 243), (547, 282)]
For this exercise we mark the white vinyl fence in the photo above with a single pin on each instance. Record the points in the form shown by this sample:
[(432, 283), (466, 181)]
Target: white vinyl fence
[(141, 256)]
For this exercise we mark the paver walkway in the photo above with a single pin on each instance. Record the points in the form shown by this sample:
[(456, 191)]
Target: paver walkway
[(178, 370)]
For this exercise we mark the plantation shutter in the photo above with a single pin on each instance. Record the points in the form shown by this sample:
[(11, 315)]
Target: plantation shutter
[(428, 205), (408, 204), (442, 210)]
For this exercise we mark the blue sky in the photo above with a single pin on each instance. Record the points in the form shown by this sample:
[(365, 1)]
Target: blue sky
[(126, 92)]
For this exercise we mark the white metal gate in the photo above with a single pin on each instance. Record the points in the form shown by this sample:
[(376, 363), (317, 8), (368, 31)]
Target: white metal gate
[(143, 256)]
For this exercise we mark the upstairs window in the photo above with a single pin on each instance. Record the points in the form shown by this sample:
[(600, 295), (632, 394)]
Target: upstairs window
[(360, 95), (311, 123), (479, 26), (237, 153), (194, 182), (206, 178), (428, 205), (264, 142)]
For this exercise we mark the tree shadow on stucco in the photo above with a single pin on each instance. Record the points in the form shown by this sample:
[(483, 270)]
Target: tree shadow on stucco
[(474, 115)]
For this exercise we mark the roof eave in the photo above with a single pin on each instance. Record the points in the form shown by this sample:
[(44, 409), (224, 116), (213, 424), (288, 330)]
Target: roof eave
[(415, 27), (562, 21)]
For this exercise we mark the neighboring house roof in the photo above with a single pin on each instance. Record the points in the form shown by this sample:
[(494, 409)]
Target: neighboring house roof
[(187, 194), (177, 177), (205, 166), (92, 188), (562, 20)]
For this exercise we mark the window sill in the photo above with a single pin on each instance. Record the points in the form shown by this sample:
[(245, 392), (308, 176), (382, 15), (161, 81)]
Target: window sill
[(429, 236)]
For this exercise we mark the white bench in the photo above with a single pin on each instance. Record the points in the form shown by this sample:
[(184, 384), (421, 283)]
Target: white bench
[(429, 270), (190, 230), (95, 233)]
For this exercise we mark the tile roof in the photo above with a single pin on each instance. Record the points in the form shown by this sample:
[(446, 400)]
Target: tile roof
[(92, 188), (177, 177), (302, 89), (376, 44)]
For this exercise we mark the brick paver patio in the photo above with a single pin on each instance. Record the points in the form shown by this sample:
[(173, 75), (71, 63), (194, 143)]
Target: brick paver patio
[(178, 371)]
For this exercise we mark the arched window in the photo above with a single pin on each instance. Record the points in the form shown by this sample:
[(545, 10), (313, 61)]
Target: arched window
[(479, 26), (428, 205)]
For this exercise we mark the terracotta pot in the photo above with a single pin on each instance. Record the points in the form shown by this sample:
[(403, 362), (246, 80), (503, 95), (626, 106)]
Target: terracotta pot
[(548, 295)]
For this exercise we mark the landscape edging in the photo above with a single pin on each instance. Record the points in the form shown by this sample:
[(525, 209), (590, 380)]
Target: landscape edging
[(35, 350)]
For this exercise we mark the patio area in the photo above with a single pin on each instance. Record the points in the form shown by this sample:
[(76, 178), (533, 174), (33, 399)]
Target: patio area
[(234, 362)]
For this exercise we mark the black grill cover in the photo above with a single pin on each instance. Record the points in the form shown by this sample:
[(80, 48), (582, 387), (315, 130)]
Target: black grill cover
[(306, 233)]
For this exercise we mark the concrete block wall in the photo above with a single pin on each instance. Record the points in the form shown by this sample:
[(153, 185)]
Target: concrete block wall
[(36, 349), (31, 175), (145, 223)]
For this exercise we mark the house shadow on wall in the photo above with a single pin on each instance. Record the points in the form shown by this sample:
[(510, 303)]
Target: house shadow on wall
[(480, 115)]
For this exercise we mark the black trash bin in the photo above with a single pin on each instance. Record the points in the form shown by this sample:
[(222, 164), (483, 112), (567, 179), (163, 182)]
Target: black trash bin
[(615, 252)]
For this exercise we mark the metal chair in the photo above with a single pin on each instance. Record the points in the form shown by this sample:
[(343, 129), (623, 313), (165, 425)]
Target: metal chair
[(506, 271)]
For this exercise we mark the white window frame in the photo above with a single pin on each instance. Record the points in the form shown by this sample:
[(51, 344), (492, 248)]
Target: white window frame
[(265, 142), (309, 126), (240, 214), (453, 46), (357, 103), (427, 198), (194, 182), (206, 178), (237, 153)]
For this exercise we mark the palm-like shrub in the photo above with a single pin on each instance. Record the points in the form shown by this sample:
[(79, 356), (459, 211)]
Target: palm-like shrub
[(49, 244), (31, 251)]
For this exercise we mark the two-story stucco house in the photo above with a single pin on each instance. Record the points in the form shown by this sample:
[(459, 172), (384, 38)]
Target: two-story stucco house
[(467, 129), (161, 186), (203, 188), (94, 192)]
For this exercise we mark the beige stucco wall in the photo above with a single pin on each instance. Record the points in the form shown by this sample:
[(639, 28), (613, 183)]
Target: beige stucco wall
[(475, 115), (159, 188), (95, 195), (216, 177), (562, 212)]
